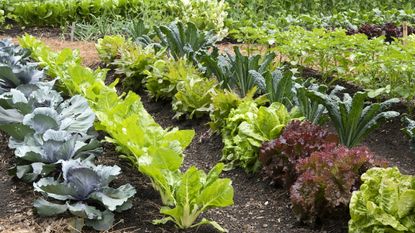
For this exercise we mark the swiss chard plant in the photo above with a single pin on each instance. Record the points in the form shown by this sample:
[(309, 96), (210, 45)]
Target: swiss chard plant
[(84, 191), (247, 127), (186, 195), (297, 141), (327, 180), (353, 118), (384, 203), (238, 71)]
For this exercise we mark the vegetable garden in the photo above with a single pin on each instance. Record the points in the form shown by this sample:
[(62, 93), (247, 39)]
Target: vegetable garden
[(207, 116)]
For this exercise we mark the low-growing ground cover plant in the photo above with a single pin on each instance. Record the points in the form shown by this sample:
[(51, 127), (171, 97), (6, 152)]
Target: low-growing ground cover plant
[(384, 203), (383, 69)]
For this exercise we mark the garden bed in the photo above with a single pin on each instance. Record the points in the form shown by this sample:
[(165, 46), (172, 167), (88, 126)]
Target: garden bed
[(258, 206)]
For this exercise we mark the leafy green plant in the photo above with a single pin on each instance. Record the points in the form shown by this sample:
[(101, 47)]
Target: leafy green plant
[(133, 62), (45, 129), (186, 195), (352, 118), (54, 63), (311, 109), (15, 67), (384, 203), (327, 179), (84, 191), (108, 48), (236, 71), (278, 86), (298, 140), (185, 41), (164, 75), (382, 69), (193, 97), (246, 128), (206, 15)]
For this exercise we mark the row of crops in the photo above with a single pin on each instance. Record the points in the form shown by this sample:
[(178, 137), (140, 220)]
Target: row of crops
[(269, 120), (243, 20)]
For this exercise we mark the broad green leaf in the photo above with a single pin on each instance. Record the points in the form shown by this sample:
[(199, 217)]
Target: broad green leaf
[(46, 208)]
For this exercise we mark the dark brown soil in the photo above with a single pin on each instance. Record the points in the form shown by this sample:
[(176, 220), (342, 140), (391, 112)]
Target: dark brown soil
[(14, 30)]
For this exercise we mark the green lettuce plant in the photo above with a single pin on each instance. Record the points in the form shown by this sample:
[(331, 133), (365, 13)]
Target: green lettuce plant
[(384, 203), (246, 128), (193, 97), (133, 62), (206, 15), (224, 101), (84, 191), (108, 47), (185, 195), (164, 76)]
